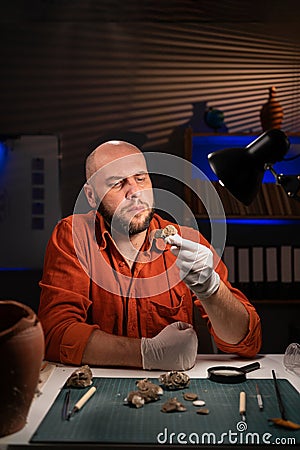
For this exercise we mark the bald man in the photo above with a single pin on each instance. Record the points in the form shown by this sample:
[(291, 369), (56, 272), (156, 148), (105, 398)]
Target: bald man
[(113, 295)]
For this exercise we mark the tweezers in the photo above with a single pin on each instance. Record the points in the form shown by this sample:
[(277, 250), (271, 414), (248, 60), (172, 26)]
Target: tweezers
[(65, 408)]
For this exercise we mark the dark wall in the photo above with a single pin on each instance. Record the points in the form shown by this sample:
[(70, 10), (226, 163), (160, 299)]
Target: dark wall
[(84, 69), (21, 286)]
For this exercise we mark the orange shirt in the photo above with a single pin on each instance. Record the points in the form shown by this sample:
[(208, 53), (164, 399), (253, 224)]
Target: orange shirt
[(87, 285)]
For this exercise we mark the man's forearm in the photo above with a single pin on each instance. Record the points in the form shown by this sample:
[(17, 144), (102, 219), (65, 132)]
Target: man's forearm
[(104, 349), (228, 316)]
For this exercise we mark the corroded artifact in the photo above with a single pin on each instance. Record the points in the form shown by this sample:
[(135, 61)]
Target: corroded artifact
[(204, 411), (169, 230), (174, 380), (173, 405), (147, 392), (190, 396), (81, 377)]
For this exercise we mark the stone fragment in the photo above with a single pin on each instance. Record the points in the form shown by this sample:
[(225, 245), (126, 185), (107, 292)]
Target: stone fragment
[(81, 377)]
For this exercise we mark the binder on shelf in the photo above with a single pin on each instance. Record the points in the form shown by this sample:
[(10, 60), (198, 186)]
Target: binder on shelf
[(286, 287), (243, 256), (296, 261), (271, 270), (244, 267), (296, 273), (286, 264), (229, 260), (264, 272), (258, 273), (271, 265)]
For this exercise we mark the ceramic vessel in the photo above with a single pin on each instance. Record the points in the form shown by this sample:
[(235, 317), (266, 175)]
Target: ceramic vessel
[(271, 113), (21, 356)]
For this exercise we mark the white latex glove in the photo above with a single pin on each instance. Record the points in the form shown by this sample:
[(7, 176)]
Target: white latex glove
[(195, 262), (174, 348)]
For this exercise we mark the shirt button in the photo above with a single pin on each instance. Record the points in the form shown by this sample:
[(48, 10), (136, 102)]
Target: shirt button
[(121, 264)]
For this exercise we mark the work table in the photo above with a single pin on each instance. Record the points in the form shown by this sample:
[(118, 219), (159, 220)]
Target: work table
[(53, 378)]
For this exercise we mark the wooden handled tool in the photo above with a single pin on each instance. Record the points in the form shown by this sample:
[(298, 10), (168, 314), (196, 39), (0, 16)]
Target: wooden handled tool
[(243, 405), (82, 401)]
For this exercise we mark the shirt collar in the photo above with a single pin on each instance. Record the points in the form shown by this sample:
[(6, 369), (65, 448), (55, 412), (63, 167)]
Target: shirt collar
[(102, 231)]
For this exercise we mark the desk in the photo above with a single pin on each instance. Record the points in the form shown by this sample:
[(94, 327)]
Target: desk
[(59, 374)]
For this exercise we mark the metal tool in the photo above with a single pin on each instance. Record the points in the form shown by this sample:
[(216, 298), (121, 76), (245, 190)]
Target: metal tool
[(65, 408), (259, 398), (278, 396)]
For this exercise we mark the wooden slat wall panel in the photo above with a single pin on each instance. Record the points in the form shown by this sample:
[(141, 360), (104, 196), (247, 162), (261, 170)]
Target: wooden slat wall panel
[(82, 79)]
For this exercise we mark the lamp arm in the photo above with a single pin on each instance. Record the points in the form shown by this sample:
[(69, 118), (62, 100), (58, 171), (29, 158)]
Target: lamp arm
[(290, 183)]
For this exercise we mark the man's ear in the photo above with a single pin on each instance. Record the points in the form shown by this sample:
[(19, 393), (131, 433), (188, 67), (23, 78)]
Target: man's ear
[(90, 195)]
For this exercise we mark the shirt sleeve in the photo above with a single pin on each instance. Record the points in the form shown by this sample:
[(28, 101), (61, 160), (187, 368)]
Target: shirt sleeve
[(64, 302), (252, 342)]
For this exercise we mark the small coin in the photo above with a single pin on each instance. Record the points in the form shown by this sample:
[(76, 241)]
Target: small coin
[(199, 403), (173, 405), (168, 407), (202, 411), (190, 396)]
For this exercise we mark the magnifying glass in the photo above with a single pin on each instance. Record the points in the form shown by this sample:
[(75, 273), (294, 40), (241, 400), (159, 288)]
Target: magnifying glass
[(230, 374)]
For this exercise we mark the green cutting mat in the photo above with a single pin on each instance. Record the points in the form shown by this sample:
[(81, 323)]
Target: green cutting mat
[(105, 418)]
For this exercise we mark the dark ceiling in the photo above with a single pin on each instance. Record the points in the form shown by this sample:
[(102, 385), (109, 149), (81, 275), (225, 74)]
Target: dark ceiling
[(202, 11)]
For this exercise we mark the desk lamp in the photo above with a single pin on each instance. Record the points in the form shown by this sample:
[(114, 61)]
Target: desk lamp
[(241, 170)]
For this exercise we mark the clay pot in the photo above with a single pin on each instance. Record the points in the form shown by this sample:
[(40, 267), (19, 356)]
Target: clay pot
[(271, 113), (21, 356)]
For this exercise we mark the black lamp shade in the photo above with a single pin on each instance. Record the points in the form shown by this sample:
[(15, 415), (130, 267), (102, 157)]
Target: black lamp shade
[(241, 170)]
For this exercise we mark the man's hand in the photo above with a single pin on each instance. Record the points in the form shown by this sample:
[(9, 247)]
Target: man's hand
[(195, 262), (174, 348)]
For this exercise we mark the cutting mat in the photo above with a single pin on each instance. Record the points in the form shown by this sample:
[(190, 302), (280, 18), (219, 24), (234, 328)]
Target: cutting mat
[(105, 418)]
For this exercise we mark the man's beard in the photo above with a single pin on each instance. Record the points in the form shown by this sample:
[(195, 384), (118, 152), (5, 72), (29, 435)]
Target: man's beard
[(122, 225)]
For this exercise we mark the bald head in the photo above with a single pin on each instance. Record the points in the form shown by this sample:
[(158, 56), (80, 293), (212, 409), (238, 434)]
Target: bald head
[(119, 186), (106, 153)]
